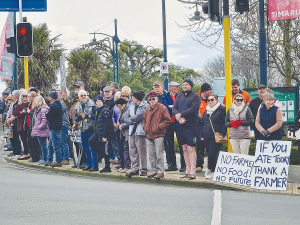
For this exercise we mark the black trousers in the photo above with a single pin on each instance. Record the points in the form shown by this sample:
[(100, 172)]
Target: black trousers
[(15, 141), (99, 147), (200, 151), (34, 147)]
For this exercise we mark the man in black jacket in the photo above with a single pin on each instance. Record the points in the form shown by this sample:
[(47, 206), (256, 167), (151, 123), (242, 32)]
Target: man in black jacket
[(186, 112), (54, 117)]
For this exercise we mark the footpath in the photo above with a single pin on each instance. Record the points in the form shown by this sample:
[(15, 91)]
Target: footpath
[(171, 178)]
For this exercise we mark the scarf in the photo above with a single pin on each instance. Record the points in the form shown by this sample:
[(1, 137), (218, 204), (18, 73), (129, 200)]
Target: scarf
[(238, 109), (210, 110)]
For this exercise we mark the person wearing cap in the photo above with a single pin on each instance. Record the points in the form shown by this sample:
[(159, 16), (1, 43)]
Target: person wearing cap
[(156, 119), (204, 94), (137, 136), (158, 88), (2, 102), (85, 120), (104, 132), (123, 106), (254, 105), (108, 97), (54, 117), (186, 111), (235, 88), (168, 100), (12, 121), (78, 86)]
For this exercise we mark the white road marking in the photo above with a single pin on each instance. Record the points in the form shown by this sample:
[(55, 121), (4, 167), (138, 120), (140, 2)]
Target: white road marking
[(217, 210)]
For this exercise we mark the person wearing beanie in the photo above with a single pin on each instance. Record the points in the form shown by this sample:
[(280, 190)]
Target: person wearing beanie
[(137, 136), (204, 94), (186, 111), (54, 117)]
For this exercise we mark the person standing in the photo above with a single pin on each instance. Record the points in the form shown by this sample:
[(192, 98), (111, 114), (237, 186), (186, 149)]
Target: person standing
[(2, 102), (156, 119), (254, 105), (213, 121), (235, 88), (137, 136), (186, 112), (204, 94), (54, 117), (239, 118), (168, 100)]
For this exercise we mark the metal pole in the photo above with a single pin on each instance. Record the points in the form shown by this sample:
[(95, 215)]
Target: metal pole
[(262, 45), (117, 56), (20, 11), (15, 78), (166, 78), (226, 24), (114, 58)]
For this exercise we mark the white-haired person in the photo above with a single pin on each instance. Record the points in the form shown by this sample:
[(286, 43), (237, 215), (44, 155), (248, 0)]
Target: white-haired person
[(85, 111)]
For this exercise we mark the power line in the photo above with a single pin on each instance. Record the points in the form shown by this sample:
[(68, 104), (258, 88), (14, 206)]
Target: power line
[(125, 30), (104, 26)]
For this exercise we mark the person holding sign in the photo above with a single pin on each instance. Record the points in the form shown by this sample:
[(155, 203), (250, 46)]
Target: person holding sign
[(213, 121), (239, 118), (269, 119)]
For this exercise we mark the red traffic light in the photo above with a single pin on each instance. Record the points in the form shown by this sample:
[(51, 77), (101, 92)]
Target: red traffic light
[(23, 31)]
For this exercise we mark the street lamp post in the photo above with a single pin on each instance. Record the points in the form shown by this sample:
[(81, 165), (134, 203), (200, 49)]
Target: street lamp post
[(166, 78)]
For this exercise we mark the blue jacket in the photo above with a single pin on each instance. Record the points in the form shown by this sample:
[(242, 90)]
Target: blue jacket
[(166, 100), (54, 116)]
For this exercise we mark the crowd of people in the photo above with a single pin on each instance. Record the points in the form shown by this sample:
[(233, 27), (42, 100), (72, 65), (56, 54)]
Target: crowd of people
[(126, 129)]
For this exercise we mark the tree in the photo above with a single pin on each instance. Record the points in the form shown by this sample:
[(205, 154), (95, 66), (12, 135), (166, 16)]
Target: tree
[(44, 63)]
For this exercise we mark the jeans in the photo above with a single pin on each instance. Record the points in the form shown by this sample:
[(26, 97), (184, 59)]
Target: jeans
[(200, 150), (54, 143), (43, 143), (90, 153), (64, 143)]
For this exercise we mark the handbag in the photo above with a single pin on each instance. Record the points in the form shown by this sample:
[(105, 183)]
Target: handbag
[(218, 140)]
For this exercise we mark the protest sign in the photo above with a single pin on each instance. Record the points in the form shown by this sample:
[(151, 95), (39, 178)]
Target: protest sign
[(234, 168), (271, 165), (75, 135)]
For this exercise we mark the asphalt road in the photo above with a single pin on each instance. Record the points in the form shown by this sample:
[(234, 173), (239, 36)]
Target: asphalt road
[(37, 197)]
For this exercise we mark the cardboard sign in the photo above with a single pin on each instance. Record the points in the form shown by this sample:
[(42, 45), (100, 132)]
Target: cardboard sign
[(75, 135), (234, 168), (271, 165)]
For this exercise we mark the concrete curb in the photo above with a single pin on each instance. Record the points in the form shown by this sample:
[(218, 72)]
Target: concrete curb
[(170, 179)]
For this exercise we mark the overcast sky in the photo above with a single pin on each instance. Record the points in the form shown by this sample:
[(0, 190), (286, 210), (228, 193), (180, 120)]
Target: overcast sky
[(139, 20)]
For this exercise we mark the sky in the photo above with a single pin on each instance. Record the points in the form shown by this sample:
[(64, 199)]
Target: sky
[(139, 20)]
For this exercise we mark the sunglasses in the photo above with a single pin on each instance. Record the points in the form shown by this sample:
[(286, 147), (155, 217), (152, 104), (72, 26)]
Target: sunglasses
[(124, 96), (82, 95), (151, 99), (210, 100), (239, 99), (9, 99), (24, 96)]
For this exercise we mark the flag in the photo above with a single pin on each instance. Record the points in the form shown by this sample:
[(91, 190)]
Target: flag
[(283, 9)]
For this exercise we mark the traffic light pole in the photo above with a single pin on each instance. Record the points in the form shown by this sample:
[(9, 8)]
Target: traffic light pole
[(226, 24), (263, 67)]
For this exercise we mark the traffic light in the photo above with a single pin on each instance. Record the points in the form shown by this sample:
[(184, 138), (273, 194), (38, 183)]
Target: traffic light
[(24, 39), (241, 6), (211, 7), (11, 45)]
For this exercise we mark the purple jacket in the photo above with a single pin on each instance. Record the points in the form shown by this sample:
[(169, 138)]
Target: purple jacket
[(40, 127)]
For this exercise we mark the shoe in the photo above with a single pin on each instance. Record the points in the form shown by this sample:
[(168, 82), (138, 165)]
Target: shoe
[(74, 166), (41, 162), (23, 158), (5, 146), (132, 173), (192, 176), (199, 169), (152, 175), (208, 174), (105, 170), (143, 173), (33, 160), (159, 175), (47, 164), (115, 162), (82, 166), (182, 169), (171, 169), (87, 168), (65, 162), (184, 176), (8, 149), (125, 170), (94, 169), (10, 155), (111, 160), (56, 164), (118, 167), (16, 156)]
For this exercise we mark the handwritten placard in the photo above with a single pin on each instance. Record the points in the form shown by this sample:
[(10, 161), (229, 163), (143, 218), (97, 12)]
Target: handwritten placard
[(234, 168), (75, 135), (271, 165)]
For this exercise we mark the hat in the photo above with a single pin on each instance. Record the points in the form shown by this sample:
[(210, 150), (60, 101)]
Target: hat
[(261, 87), (173, 84), (205, 87), (5, 93), (157, 83), (189, 81), (53, 94), (107, 88), (121, 101), (139, 95), (78, 83), (151, 94), (99, 97)]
